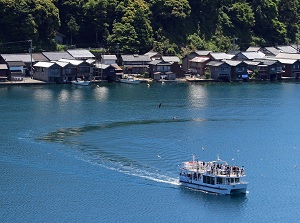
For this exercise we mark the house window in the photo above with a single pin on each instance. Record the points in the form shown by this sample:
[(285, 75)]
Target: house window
[(54, 72), (224, 69)]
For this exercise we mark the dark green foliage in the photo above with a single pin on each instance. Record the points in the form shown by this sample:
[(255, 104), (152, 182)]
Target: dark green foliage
[(136, 26)]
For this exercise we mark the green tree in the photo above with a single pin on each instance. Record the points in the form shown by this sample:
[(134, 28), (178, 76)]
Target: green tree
[(73, 28), (133, 32)]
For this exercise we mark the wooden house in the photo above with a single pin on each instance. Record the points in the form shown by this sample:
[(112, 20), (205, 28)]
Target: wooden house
[(108, 59), (238, 70), (47, 71), (269, 69), (105, 72), (135, 64), (84, 70), (219, 70), (198, 65), (186, 60), (4, 70)]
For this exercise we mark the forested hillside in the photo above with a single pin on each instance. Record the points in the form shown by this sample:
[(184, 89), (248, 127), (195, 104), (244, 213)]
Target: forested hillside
[(136, 26)]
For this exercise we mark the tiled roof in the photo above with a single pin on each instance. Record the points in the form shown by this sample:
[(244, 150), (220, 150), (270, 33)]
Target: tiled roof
[(287, 49), (43, 64), (81, 53), (199, 59), (295, 56), (39, 57), (26, 58), (171, 59), (57, 55), (3, 67), (221, 56), (109, 57), (233, 63), (202, 52), (272, 50), (73, 62), (253, 55), (16, 63), (253, 49), (214, 63), (137, 58)]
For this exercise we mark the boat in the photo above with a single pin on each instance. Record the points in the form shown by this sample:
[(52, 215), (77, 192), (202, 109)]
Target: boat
[(213, 176), (81, 82), (130, 80)]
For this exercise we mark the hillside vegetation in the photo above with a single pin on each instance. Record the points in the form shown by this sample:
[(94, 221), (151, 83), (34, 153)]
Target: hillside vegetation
[(137, 26)]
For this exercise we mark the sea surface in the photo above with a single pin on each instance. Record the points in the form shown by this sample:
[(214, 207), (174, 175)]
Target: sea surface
[(111, 152)]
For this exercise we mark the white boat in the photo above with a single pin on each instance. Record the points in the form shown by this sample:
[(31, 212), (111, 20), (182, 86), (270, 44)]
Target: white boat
[(213, 176), (130, 80), (81, 82)]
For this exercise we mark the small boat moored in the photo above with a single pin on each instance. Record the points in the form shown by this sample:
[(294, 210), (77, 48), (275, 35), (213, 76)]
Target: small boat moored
[(130, 80), (81, 82), (213, 176)]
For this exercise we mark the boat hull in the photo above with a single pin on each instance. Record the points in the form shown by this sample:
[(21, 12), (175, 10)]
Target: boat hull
[(130, 82), (82, 83), (218, 188)]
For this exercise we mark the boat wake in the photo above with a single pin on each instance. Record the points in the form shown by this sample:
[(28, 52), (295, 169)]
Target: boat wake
[(132, 168)]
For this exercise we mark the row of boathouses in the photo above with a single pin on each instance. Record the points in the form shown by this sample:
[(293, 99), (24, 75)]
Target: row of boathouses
[(259, 63)]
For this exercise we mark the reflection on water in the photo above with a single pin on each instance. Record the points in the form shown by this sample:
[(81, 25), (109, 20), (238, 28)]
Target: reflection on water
[(64, 95), (43, 94), (100, 93)]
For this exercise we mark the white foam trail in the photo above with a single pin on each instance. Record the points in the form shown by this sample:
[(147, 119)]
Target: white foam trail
[(134, 171)]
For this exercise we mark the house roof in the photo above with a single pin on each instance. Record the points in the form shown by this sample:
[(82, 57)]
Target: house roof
[(109, 57), (252, 63), (268, 62), (3, 67), (81, 53), (39, 57), (253, 49), (287, 49), (57, 55), (135, 57), (16, 63), (253, 55), (200, 59), (233, 63), (295, 56), (160, 62), (102, 66), (272, 50), (152, 53), (73, 62), (171, 59), (61, 63), (26, 58), (215, 63), (221, 56), (203, 52), (283, 61), (116, 66), (43, 64)]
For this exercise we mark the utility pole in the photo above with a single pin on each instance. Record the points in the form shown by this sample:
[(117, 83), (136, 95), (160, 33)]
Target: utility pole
[(30, 51)]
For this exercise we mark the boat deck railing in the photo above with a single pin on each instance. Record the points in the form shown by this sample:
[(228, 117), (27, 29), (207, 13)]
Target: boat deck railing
[(212, 168)]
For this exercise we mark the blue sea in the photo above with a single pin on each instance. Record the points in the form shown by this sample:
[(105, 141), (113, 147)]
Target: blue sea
[(110, 153)]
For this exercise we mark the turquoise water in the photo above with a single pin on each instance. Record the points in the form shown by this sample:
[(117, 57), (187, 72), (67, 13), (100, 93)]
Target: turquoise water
[(109, 153)]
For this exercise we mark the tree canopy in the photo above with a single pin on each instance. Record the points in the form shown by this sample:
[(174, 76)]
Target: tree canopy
[(136, 26)]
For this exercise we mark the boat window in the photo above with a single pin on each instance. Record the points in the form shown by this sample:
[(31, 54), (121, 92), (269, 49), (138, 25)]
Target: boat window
[(232, 180), (219, 180), (205, 179), (237, 180), (212, 180)]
